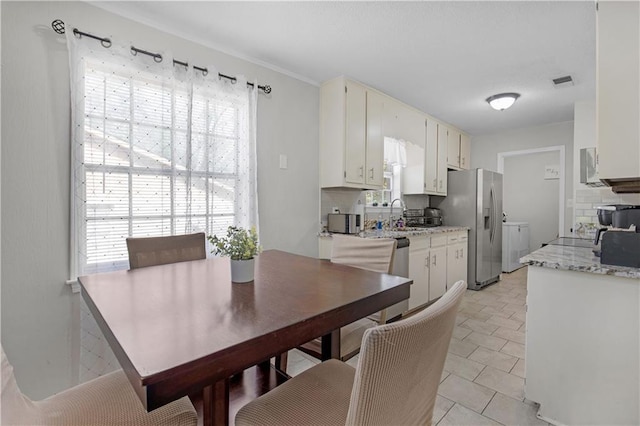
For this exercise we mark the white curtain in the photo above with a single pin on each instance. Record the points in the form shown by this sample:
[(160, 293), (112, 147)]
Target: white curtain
[(157, 149)]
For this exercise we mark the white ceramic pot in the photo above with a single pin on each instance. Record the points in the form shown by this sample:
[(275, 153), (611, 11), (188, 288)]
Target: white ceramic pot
[(242, 270)]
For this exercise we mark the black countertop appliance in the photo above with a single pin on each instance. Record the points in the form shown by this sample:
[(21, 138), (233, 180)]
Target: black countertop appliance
[(621, 243)]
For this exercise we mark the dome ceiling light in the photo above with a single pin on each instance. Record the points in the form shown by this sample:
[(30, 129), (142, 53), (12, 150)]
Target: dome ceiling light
[(502, 101)]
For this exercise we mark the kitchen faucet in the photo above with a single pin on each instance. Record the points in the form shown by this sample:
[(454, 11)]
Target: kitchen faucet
[(402, 204)]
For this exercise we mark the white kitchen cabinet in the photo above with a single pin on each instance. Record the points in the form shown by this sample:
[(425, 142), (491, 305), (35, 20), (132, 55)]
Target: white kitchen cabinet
[(457, 248), (442, 160), (402, 122), (437, 271), (426, 171), (432, 168), (453, 148), (465, 151), (419, 262), (374, 150), (618, 91), (458, 149), (351, 140)]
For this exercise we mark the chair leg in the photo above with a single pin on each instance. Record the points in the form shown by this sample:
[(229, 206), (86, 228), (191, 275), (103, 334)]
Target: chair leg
[(281, 361), (383, 317)]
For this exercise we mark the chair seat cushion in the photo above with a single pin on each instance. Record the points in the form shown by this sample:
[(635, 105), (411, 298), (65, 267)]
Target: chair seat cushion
[(318, 396), (110, 400)]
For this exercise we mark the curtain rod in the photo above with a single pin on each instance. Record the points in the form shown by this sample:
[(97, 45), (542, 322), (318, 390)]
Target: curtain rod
[(58, 27)]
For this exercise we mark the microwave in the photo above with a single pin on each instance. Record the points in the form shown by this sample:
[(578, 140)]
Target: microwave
[(343, 223)]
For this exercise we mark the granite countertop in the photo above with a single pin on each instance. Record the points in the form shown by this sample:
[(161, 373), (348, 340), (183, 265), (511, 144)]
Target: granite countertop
[(579, 259), (408, 232)]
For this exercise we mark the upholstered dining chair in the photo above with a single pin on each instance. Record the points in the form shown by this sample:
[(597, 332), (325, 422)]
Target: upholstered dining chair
[(150, 251), (106, 400), (395, 382), (373, 254)]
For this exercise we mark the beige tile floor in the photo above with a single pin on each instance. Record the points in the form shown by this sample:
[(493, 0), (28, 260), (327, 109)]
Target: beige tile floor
[(483, 381)]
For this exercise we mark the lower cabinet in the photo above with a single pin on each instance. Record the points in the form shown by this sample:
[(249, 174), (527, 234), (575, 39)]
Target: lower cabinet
[(436, 262), (438, 269), (457, 248), (419, 263)]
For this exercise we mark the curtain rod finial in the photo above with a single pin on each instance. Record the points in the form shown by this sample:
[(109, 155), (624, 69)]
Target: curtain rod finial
[(58, 26)]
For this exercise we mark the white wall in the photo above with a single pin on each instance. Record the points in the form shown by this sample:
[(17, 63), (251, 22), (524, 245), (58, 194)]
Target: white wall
[(525, 186), (39, 313), (485, 149)]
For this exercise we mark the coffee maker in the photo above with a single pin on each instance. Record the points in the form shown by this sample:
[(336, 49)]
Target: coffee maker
[(621, 239)]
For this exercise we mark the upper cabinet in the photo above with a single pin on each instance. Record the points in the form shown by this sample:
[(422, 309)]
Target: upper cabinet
[(618, 94), (426, 171), (459, 149), (351, 139), (354, 121)]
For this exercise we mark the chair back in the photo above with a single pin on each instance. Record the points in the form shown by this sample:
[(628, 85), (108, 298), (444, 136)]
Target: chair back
[(373, 254), (152, 251), (16, 407), (401, 364)]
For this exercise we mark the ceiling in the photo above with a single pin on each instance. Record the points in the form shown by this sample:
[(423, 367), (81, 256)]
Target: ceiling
[(444, 58)]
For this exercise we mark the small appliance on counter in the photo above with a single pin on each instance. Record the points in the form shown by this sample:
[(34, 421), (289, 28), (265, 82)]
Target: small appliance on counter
[(424, 218), (620, 243), (343, 223)]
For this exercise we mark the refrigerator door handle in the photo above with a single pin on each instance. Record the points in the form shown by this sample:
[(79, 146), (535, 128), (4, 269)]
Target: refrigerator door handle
[(491, 214)]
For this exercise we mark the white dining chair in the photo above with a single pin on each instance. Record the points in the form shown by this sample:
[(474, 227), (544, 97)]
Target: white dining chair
[(395, 382), (107, 400), (372, 254)]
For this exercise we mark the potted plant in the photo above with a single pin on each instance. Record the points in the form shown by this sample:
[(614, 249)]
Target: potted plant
[(241, 245)]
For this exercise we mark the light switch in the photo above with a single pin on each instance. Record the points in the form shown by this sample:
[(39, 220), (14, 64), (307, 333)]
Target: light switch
[(283, 161)]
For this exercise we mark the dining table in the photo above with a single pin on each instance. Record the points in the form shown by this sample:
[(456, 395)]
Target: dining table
[(185, 328)]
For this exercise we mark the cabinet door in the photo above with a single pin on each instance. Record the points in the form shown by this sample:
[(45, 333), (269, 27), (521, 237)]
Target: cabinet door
[(456, 263), (374, 159), (413, 174), (465, 152), (431, 158), (442, 160), (419, 271), (453, 148), (355, 135), (618, 89), (437, 272)]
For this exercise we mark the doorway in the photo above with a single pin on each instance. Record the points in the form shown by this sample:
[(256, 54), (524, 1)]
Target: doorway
[(534, 191)]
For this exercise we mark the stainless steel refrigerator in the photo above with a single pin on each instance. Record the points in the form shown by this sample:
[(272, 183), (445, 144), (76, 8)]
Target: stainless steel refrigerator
[(474, 199)]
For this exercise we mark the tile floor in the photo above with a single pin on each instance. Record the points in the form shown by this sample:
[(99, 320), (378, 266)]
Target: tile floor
[(483, 381)]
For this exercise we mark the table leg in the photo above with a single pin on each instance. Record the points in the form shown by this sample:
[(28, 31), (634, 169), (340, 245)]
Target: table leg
[(331, 345), (215, 404)]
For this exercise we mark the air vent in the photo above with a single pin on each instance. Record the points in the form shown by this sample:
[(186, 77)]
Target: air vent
[(563, 81)]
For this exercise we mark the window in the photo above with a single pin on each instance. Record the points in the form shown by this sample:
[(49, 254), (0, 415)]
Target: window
[(158, 157)]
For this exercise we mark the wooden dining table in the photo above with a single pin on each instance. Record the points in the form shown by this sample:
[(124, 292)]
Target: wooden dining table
[(183, 328)]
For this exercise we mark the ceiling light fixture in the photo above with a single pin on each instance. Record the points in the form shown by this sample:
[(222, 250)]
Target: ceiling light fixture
[(502, 101)]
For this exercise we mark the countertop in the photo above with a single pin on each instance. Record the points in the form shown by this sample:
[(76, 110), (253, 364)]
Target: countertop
[(408, 232), (579, 259)]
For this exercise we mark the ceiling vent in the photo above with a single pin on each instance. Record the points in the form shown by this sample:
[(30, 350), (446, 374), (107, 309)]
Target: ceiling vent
[(563, 81)]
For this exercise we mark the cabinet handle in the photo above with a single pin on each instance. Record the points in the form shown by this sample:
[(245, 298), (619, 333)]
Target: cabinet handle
[(440, 183), (463, 161), (457, 254), (435, 260), (426, 261), (435, 183), (361, 169), (371, 173)]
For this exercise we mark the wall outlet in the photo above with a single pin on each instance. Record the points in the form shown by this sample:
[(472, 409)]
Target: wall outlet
[(335, 210)]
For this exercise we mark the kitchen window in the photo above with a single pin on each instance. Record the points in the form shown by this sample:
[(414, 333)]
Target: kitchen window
[(159, 150)]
